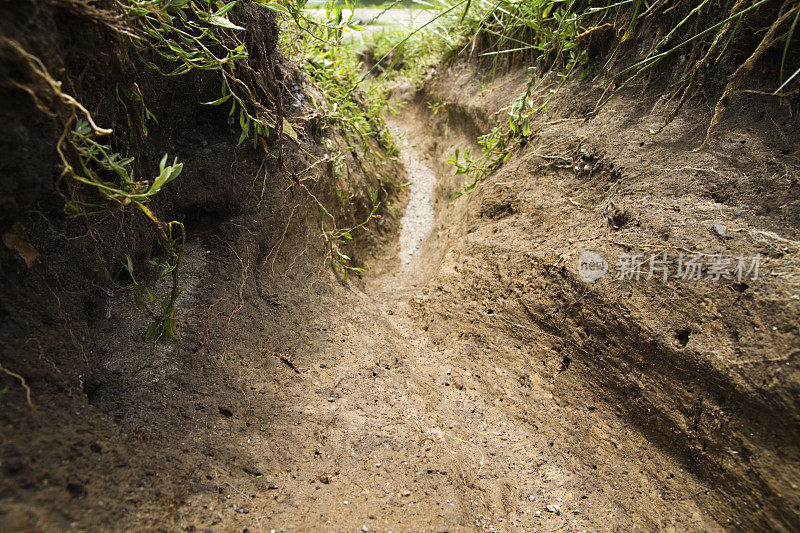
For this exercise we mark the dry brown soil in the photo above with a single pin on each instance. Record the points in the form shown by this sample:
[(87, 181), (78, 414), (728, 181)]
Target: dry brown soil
[(480, 385)]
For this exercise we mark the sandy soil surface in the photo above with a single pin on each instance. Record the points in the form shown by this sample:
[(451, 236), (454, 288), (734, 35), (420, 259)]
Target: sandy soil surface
[(477, 384), (695, 368), (295, 404), (418, 218)]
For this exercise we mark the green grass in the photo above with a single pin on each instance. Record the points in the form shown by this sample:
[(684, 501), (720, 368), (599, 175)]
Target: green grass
[(173, 38), (176, 37), (557, 40), (371, 4), (354, 109), (561, 40)]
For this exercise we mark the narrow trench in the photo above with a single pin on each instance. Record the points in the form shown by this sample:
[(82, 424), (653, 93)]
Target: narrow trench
[(417, 221), (496, 447), (468, 382)]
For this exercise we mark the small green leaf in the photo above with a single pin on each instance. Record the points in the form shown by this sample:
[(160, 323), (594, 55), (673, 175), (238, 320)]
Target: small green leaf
[(167, 174), (152, 332), (169, 329), (218, 101), (224, 9), (222, 22), (137, 299), (244, 135), (272, 6), (82, 127), (289, 131)]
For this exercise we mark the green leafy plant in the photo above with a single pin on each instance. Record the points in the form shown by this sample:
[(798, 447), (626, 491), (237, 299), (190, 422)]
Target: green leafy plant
[(162, 306), (198, 35), (184, 35), (94, 160), (554, 37), (437, 107), (110, 177), (337, 238), (316, 41)]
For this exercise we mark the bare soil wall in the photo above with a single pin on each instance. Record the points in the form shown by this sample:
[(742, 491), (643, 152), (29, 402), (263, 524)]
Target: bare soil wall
[(706, 369)]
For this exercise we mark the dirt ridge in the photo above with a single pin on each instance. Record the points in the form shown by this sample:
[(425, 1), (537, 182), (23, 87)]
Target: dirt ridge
[(721, 422)]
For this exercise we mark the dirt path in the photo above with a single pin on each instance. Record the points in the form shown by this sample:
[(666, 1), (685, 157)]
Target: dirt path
[(472, 381), (418, 219), (294, 403), (390, 429)]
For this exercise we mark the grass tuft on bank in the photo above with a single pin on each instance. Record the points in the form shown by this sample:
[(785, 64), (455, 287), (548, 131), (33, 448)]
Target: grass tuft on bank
[(710, 48)]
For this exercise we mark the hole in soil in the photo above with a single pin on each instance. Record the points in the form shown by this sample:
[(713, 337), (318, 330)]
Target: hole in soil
[(76, 489), (565, 362), (682, 337), (92, 389), (201, 218), (618, 219), (740, 287), (12, 468), (498, 210), (719, 197)]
